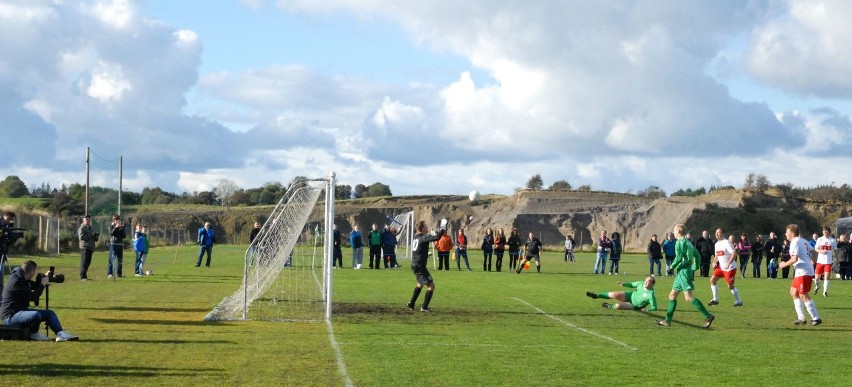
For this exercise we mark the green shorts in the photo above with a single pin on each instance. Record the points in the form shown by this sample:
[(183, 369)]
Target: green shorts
[(683, 280)]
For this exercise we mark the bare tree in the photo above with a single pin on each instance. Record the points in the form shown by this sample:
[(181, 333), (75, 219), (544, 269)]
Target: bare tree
[(761, 182), (749, 181), (225, 190), (560, 185), (535, 183)]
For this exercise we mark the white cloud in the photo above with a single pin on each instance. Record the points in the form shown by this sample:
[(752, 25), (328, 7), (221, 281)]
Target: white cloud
[(806, 48), (107, 83), (117, 14)]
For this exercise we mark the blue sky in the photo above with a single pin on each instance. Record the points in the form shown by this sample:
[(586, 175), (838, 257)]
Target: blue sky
[(427, 97)]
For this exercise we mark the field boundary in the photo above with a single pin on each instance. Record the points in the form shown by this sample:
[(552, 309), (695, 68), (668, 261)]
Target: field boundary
[(341, 365), (581, 329)]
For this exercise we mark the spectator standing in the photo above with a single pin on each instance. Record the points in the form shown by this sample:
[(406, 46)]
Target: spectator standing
[(389, 247), (206, 239), (785, 256), (669, 251), (655, 254), (337, 254), (444, 245), (744, 251), (604, 245), (374, 240), (499, 247), (772, 249), (357, 247), (87, 246), (813, 240), (706, 247), (140, 246), (487, 249), (844, 253), (615, 254), (569, 248), (461, 249), (825, 246), (757, 256), (116, 246), (514, 243)]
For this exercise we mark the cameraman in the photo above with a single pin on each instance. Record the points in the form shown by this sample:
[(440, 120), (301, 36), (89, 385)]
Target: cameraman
[(14, 307), (87, 246), (116, 248), (7, 225)]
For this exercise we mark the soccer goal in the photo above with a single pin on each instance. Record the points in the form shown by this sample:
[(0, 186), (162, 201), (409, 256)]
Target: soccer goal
[(287, 271), (404, 226)]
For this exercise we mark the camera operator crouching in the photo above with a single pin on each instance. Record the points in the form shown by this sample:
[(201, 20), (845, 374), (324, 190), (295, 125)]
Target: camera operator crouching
[(17, 295)]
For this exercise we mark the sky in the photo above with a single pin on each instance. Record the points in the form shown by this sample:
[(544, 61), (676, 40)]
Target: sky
[(435, 97)]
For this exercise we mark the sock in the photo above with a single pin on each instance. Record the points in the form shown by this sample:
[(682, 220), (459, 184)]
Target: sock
[(603, 295), (427, 299), (715, 290), (811, 306), (538, 268), (825, 285), (800, 308), (700, 306), (670, 310), (736, 294), (612, 306), (415, 295)]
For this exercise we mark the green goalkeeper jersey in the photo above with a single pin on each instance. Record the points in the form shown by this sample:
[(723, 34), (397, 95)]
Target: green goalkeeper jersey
[(686, 256), (642, 297)]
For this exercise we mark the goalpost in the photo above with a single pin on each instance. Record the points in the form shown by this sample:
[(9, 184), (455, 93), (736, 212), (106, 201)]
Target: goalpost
[(287, 269)]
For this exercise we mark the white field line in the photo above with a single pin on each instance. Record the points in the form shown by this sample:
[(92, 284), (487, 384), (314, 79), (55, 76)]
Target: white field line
[(485, 345), (584, 330), (341, 366)]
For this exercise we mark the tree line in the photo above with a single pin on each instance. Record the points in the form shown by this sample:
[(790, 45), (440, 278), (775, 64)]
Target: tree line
[(69, 199)]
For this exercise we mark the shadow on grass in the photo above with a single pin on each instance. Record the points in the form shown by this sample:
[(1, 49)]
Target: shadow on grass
[(76, 370), (141, 309), (157, 322), (141, 341)]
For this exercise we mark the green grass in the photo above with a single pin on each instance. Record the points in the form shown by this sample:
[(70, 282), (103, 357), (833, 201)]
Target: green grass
[(149, 331)]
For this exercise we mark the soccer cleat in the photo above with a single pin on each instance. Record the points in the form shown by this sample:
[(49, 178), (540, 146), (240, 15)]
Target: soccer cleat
[(425, 310), (664, 323), (65, 336), (109, 275), (816, 322), (592, 295), (38, 336), (138, 275), (709, 321), (605, 305), (738, 304), (713, 302), (816, 288), (825, 294), (798, 322), (410, 306)]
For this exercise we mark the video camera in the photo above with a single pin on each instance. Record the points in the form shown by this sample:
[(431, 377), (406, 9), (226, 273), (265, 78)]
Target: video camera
[(51, 276), (9, 234)]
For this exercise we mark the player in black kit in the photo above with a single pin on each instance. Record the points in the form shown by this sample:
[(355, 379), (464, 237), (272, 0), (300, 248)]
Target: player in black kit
[(532, 251), (420, 245)]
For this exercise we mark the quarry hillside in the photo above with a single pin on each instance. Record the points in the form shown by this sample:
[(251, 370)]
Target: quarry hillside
[(549, 214)]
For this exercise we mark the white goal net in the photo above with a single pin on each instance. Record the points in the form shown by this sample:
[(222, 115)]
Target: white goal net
[(404, 226), (286, 275)]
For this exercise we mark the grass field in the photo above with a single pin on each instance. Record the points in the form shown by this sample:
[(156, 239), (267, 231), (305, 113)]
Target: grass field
[(485, 329)]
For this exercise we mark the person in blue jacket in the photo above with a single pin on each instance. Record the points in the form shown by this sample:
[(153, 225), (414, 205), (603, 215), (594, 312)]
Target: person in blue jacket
[(206, 238), (357, 247), (389, 243), (669, 251)]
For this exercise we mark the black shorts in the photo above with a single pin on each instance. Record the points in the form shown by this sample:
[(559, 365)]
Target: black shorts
[(422, 275)]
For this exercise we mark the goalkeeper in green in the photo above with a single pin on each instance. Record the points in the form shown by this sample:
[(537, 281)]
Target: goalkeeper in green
[(685, 264), (643, 298)]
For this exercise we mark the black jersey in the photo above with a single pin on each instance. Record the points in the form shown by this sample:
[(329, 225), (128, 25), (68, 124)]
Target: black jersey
[(533, 247), (420, 245)]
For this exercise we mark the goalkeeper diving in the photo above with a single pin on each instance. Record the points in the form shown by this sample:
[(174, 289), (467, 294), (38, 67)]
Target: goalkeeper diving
[(643, 298), (420, 246)]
